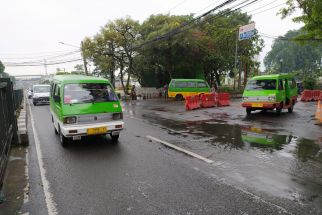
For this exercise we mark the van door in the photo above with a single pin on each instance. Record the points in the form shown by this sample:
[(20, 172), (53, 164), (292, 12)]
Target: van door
[(287, 92), (57, 105), (281, 91)]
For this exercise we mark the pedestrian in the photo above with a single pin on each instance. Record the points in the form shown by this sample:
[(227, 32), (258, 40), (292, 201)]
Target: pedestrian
[(133, 93), (165, 91)]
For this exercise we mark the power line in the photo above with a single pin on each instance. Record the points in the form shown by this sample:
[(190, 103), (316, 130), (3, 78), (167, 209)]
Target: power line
[(42, 64), (32, 55), (263, 6), (53, 57), (176, 30), (268, 9), (177, 5)]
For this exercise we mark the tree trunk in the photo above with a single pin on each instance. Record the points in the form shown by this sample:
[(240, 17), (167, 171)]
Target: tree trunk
[(217, 76)]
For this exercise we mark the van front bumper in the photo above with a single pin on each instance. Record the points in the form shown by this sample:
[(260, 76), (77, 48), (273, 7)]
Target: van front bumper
[(260, 105), (113, 128)]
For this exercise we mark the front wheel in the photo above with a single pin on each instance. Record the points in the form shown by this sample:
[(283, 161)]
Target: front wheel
[(278, 110), (248, 111), (290, 109), (64, 141)]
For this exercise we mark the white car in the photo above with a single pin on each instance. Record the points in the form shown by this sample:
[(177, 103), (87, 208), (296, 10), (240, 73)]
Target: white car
[(40, 94)]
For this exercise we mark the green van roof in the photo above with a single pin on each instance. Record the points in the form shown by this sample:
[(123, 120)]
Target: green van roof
[(79, 79), (274, 76), (182, 79)]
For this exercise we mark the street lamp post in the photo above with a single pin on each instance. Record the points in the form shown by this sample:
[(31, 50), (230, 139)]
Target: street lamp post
[(84, 59)]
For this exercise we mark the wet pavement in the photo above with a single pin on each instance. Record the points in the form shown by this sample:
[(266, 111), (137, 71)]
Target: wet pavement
[(277, 155), (263, 164)]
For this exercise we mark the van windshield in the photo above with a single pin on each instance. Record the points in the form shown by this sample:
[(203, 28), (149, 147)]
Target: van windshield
[(41, 89), (269, 84), (88, 93)]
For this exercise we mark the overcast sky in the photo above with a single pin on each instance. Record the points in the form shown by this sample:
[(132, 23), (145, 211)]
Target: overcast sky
[(31, 30)]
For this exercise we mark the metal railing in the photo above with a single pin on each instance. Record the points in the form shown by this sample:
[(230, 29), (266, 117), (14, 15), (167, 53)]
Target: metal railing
[(8, 122)]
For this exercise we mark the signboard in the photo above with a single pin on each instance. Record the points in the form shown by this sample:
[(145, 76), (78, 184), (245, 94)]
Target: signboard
[(247, 31)]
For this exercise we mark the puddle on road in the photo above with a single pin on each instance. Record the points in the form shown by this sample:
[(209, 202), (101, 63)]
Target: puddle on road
[(269, 160)]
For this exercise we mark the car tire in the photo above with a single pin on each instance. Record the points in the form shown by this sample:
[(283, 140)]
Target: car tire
[(64, 141), (278, 110), (179, 97), (115, 139), (248, 111), (290, 109), (35, 103), (55, 130)]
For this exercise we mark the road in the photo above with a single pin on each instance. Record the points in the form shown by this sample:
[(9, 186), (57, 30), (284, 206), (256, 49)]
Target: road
[(140, 176)]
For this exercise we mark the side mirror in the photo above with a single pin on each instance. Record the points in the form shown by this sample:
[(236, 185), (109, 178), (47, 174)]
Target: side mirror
[(57, 99)]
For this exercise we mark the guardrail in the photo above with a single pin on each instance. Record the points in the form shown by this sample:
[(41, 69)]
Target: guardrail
[(8, 122)]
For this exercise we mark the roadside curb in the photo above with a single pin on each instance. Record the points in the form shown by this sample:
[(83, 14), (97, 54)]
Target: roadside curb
[(23, 139)]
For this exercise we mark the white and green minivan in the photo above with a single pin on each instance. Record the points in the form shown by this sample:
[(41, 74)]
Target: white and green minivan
[(83, 106)]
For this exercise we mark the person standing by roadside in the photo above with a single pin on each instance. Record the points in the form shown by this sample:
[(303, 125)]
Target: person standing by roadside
[(165, 91)]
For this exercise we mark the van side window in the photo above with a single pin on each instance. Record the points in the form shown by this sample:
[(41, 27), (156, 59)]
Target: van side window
[(57, 90), (180, 84), (191, 84), (52, 90), (202, 85), (280, 85)]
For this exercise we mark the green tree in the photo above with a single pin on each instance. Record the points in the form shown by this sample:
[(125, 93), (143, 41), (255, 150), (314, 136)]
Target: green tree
[(289, 56), (112, 49), (311, 17), (2, 67)]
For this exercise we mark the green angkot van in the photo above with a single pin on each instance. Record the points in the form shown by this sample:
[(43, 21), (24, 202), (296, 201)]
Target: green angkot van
[(83, 106), (181, 88), (269, 92)]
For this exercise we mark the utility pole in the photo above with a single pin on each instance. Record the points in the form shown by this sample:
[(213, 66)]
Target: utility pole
[(236, 53), (84, 59), (45, 65)]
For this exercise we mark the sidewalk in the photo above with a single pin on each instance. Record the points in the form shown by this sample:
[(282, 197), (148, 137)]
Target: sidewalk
[(15, 182)]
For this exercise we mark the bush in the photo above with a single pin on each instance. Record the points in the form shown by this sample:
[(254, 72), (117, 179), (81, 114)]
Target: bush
[(309, 83)]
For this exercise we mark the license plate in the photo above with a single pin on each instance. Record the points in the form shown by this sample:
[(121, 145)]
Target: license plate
[(99, 130), (257, 105), (77, 137), (114, 133)]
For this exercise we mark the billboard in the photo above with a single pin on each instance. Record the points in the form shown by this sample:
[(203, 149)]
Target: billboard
[(247, 31)]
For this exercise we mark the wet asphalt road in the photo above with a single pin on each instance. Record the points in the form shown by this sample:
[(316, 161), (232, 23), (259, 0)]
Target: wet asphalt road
[(249, 175)]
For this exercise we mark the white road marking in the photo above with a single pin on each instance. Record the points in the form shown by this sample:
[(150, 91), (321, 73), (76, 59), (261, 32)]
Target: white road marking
[(181, 150), (50, 204)]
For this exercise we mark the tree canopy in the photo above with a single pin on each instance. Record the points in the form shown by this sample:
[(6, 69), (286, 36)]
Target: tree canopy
[(302, 58), (2, 67), (311, 17), (202, 50)]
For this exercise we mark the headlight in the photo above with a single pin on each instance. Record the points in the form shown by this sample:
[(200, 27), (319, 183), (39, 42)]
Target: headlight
[(271, 98), (117, 116), (70, 120), (245, 98)]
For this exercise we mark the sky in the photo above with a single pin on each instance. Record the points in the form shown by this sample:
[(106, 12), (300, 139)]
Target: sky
[(32, 30)]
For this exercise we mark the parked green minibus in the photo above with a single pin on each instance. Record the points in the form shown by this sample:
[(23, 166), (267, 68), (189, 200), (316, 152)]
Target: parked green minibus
[(83, 106), (269, 92), (180, 88)]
